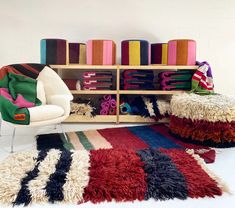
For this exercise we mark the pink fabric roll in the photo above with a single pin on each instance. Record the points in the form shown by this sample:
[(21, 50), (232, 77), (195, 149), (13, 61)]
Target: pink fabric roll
[(181, 52)]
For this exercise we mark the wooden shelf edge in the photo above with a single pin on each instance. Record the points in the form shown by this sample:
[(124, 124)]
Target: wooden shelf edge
[(85, 119), (139, 119), (150, 92), (93, 92)]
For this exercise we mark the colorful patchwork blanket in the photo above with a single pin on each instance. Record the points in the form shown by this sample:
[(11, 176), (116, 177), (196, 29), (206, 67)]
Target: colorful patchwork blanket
[(18, 91)]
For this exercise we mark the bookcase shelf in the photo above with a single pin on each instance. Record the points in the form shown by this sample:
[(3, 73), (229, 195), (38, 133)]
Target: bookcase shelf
[(118, 92)]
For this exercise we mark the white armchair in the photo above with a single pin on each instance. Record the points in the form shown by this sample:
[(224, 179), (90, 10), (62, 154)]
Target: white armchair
[(55, 97)]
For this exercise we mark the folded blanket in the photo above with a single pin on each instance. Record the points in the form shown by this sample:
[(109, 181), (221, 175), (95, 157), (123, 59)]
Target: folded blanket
[(132, 73), (175, 83), (97, 74), (177, 87), (175, 74), (138, 87), (18, 91)]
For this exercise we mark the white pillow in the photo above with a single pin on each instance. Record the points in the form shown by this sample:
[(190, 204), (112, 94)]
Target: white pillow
[(41, 92)]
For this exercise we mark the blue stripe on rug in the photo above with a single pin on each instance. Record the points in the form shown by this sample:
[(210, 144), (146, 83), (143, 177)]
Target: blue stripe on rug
[(153, 138)]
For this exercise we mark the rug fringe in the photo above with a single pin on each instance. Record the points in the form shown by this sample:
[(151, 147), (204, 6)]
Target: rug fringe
[(221, 184)]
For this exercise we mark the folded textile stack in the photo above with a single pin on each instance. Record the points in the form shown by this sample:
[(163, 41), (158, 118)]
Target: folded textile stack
[(72, 84), (101, 80), (138, 79), (175, 80)]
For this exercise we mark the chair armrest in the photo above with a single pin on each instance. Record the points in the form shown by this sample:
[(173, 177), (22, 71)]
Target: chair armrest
[(62, 101)]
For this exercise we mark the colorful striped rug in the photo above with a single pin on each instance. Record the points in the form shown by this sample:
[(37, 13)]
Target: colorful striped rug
[(134, 138), (105, 175)]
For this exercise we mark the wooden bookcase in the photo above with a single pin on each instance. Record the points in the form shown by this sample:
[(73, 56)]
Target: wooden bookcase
[(118, 92)]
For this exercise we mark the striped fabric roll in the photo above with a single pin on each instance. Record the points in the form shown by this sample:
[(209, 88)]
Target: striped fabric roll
[(77, 53), (135, 52), (101, 52), (53, 51), (181, 52), (159, 53)]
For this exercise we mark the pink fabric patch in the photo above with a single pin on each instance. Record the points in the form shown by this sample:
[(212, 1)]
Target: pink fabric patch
[(20, 101), (191, 53), (89, 52), (107, 52), (172, 45)]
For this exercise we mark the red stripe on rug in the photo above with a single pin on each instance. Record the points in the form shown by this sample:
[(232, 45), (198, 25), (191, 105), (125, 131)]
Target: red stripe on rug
[(122, 138), (115, 174), (199, 183)]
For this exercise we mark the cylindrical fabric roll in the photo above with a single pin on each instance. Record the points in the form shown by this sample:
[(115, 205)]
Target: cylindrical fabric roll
[(77, 53), (53, 51), (159, 53), (135, 52), (181, 52), (72, 84), (101, 52), (125, 108)]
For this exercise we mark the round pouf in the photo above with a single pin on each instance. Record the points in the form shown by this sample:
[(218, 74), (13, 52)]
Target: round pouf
[(101, 52), (207, 120), (135, 52), (159, 53), (77, 53), (181, 52)]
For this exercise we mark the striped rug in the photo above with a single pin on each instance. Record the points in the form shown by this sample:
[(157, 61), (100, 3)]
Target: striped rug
[(74, 177), (134, 138)]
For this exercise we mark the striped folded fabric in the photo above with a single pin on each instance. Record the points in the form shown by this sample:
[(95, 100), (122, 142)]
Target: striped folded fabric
[(75, 177), (77, 53), (72, 84), (53, 51), (96, 74), (101, 52), (135, 52)]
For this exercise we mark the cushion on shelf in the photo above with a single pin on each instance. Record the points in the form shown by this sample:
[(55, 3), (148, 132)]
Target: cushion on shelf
[(207, 118), (53, 51), (159, 53), (181, 52), (101, 52), (77, 53), (135, 52)]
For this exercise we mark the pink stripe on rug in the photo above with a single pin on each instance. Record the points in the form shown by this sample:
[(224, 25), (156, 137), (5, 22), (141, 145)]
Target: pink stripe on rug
[(122, 138), (97, 140), (73, 138)]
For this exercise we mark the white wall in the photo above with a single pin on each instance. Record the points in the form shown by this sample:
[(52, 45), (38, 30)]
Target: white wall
[(210, 22)]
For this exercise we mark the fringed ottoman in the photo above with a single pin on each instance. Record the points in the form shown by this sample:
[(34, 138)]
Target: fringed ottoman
[(135, 52), (207, 120), (54, 51), (101, 52), (77, 53), (159, 53), (181, 52)]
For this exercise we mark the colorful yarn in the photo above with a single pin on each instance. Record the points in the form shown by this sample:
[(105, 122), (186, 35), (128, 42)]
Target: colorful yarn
[(101, 52), (108, 105), (125, 108), (53, 51), (135, 52), (77, 53), (159, 53), (181, 52)]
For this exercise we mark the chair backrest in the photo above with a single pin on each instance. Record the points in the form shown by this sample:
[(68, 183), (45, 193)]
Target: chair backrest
[(53, 84)]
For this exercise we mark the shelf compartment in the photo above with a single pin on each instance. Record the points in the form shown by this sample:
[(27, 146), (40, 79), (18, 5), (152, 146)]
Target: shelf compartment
[(93, 92), (78, 66), (138, 119), (86, 119), (150, 92), (159, 67)]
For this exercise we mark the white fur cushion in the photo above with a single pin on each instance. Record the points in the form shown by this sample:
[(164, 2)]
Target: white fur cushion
[(41, 92), (45, 112)]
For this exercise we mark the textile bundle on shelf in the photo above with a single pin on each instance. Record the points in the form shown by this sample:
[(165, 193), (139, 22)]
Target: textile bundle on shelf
[(159, 53), (135, 52), (108, 105), (53, 51), (207, 119), (77, 53), (181, 52), (101, 52), (175, 80)]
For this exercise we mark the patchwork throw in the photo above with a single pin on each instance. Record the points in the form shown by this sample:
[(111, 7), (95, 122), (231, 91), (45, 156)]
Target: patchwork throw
[(181, 52), (104, 175), (207, 120), (135, 52), (135, 138), (53, 51), (18, 91)]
